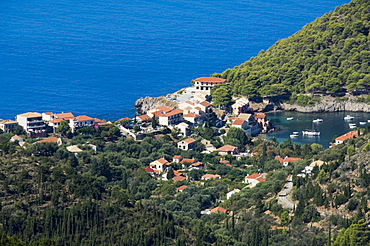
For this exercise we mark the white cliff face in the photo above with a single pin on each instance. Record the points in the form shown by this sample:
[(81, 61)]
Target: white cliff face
[(330, 104)]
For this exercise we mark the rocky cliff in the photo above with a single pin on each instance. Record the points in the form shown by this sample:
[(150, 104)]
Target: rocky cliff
[(329, 104), (143, 104)]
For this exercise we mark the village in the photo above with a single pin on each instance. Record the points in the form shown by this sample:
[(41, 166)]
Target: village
[(194, 110)]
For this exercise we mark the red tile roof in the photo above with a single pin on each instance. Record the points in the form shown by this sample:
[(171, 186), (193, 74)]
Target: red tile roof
[(187, 161), (210, 80), (197, 164), (56, 120), (229, 165), (125, 118), (218, 209), (261, 179), (189, 140), (49, 140), (82, 118), (205, 104), (211, 176), (238, 122), (163, 161), (177, 157), (179, 178), (182, 187), (254, 176), (149, 170), (348, 135), (224, 162), (144, 117), (48, 113), (227, 148), (66, 116), (162, 108), (173, 112)]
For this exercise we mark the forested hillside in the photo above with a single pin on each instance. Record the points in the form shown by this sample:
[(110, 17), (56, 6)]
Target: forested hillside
[(328, 55)]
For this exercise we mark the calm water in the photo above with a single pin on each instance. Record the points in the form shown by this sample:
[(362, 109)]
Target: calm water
[(333, 125), (97, 57)]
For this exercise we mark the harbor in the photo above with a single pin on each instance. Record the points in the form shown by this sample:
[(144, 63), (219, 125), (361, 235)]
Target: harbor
[(309, 128)]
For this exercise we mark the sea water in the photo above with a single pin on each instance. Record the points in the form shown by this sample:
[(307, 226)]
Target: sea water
[(96, 57)]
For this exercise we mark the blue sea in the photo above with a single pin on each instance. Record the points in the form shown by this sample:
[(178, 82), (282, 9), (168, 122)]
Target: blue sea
[(97, 57)]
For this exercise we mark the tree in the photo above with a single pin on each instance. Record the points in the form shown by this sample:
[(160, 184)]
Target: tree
[(356, 234), (63, 128), (221, 95), (238, 134)]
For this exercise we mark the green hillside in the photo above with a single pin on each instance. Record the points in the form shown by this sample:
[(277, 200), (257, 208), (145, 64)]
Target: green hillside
[(328, 55)]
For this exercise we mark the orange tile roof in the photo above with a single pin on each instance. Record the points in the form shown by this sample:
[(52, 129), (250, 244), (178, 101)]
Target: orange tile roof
[(261, 179), (218, 209), (197, 164), (65, 116), (163, 161), (224, 162), (227, 148), (173, 112), (177, 173), (205, 104), (254, 176), (177, 157), (211, 176), (31, 115), (348, 135), (149, 170), (229, 165), (192, 115), (279, 159), (210, 80), (162, 108), (83, 118), (49, 140), (238, 122), (15, 137), (187, 161), (56, 120), (178, 178), (291, 159), (189, 140), (182, 187), (48, 113), (125, 118), (144, 117)]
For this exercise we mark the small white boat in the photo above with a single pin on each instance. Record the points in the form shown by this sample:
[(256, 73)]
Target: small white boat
[(348, 117), (311, 133), (290, 118), (293, 135), (317, 120), (368, 121), (362, 122), (352, 125)]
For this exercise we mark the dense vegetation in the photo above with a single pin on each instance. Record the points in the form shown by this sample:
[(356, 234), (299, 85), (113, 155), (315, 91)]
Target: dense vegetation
[(52, 197), (328, 55)]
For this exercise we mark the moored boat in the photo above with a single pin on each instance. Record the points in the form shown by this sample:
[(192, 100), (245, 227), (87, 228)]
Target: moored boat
[(290, 118), (317, 120), (311, 133), (348, 117)]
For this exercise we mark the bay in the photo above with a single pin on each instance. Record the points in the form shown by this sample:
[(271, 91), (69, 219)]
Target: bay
[(333, 125), (97, 57)]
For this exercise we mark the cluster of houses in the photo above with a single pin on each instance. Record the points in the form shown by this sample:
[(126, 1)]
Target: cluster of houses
[(37, 125)]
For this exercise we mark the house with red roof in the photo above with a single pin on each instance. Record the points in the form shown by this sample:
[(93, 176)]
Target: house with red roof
[(143, 118), (157, 111), (344, 137), (181, 188), (206, 83), (161, 165), (240, 123), (179, 178), (286, 160), (187, 144), (228, 150), (218, 210), (51, 140), (171, 118), (81, 121), (254, 179), (176, 159)]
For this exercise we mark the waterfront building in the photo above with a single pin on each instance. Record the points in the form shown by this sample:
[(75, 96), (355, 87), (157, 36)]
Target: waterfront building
[(7, 125), (81, 121), (206, 83), (33, 124)]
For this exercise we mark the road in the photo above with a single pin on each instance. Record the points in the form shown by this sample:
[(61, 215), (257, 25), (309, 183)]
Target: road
[(284, 195)]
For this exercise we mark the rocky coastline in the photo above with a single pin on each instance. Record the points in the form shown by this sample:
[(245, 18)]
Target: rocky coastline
[(326, 104)]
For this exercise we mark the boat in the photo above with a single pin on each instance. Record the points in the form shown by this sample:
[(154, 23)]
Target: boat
[(296, 133), (317, 120), (352, 125), (362, 122), (293, 135), (348, 117), (368, 121), (290, 118), (311, 133)]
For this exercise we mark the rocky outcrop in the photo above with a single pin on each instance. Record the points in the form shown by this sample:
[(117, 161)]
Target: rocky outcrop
[(329, 104), (143, 104)]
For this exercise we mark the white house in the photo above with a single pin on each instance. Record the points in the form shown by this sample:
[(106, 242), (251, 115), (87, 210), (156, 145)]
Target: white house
[(81, 121), (229, 194), (206, 83), (7, 125), (33, 124), (254, 179)]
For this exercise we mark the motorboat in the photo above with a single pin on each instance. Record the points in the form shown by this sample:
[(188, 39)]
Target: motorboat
[(311, 133), (362, 122), (293, 135), (348, 117), (317, 120), (352, 125), (290, 118)]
